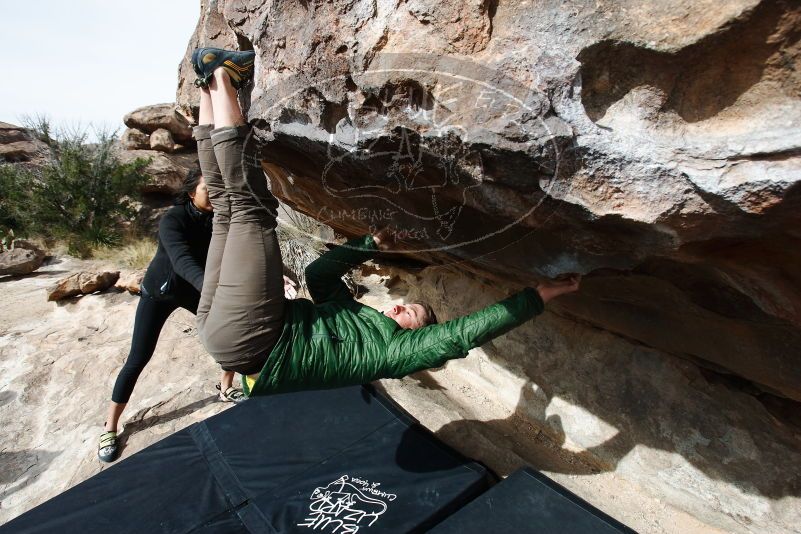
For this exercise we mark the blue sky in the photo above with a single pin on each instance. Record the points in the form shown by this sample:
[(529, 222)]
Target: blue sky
[(91, 61)]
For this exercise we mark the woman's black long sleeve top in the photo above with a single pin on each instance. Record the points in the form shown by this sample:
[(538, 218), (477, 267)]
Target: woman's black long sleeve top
[(178, 266)]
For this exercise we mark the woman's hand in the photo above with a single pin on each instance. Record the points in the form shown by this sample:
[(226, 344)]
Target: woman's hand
[(290, 291)]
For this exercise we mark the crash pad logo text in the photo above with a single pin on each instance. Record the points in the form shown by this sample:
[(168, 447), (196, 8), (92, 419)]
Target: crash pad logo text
[(346, 505)]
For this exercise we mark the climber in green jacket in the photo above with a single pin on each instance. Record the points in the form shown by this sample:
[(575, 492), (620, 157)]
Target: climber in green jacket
[(337, 341), (278, 344)]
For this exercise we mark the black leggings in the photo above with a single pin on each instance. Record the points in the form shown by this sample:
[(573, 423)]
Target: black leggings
[(150, 318)]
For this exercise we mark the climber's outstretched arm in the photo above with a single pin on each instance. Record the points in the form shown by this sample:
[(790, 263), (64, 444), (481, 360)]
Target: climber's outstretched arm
[(432, 346)]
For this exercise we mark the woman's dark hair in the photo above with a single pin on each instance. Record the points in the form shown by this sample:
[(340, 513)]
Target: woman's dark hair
[(190, 183)]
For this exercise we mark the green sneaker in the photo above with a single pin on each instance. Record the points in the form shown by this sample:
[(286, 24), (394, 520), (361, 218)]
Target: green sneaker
[(238, 65)]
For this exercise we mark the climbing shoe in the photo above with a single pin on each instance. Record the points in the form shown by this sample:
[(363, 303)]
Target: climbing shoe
[(231, 394), (238, 65), (199, 82), (109, 448)]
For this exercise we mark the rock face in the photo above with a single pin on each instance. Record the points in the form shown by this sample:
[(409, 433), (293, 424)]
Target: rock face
[(657, 156), (82, 283), (654, 148)]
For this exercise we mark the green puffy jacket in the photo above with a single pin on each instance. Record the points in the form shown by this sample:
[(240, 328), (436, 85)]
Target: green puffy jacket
[(336, 341)]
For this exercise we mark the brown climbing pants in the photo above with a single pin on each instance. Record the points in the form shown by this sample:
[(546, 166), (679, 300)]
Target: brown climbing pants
[(241, 310)]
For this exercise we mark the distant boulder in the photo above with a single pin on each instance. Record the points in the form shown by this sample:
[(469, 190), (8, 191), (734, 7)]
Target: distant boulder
[(134, 139), (82, 283), (23, 258), (151, 118), (18, 145), (130, 280), (162, 141)]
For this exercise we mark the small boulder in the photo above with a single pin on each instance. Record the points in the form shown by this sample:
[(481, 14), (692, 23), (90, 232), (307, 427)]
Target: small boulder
[(162, 141), (82, 283), (130, 280), (134, 139), (24, 258)]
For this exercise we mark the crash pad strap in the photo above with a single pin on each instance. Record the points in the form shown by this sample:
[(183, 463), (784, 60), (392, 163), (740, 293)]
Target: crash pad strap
[(236, 495)]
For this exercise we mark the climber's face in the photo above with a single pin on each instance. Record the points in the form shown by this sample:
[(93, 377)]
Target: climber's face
[(407, 315), (200, 196)]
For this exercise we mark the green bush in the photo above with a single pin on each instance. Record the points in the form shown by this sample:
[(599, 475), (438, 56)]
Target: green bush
[(12, 202), (81, 195)]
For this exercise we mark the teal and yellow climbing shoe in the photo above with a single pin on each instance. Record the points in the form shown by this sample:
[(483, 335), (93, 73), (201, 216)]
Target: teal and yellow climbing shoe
[(199, 82), (238, 65)]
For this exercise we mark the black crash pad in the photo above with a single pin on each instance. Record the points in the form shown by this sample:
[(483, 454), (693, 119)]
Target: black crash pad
[(335, 461), (528, 501)]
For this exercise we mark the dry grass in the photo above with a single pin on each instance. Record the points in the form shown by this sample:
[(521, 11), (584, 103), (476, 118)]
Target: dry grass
[(297, 248), (136, 253)]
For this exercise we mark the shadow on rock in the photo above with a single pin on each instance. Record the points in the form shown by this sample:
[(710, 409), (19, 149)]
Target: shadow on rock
[(6, 397), (139, 422), (426, 381), (16, 277), (19, 469), (718, 447)]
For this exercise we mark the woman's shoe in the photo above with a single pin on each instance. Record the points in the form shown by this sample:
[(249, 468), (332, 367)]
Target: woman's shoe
[(109, 448), (231, 394), (238, 65)]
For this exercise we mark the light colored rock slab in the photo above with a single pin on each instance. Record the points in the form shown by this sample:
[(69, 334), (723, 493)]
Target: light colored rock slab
[(58, 363)]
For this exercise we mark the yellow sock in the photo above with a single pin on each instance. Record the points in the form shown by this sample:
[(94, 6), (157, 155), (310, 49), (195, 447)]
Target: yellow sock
[(250, 381)]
